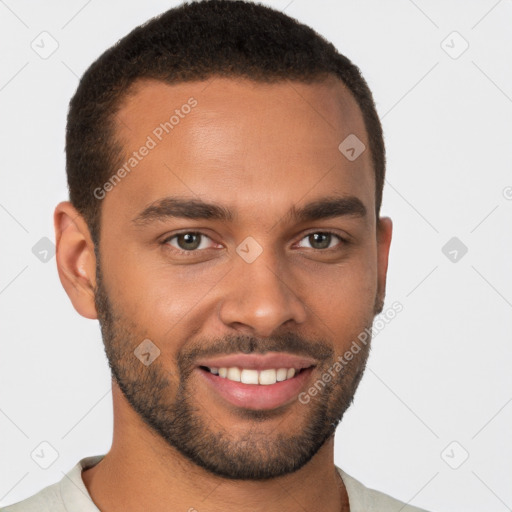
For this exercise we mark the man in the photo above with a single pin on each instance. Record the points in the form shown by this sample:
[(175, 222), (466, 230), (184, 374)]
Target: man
[(225, 167)]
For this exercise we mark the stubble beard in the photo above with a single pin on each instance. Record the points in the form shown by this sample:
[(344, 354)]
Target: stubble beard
[(167, 404)]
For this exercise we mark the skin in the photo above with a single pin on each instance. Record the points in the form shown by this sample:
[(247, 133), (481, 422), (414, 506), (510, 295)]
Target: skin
[(259, 150)]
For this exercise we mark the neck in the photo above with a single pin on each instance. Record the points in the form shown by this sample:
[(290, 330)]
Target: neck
[(142, 472)]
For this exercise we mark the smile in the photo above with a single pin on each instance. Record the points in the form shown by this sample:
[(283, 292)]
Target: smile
[(265, 377), (255, 389)]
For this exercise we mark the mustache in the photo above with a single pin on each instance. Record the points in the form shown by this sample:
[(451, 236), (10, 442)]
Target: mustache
[(291, 343)]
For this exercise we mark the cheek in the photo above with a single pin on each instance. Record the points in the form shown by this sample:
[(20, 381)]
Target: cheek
[(170, 303), (343, 295), (160, 298)]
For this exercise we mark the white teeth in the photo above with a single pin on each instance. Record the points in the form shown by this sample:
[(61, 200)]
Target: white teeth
[(234, 374), (251, 376), (281, 374), (267, 377)]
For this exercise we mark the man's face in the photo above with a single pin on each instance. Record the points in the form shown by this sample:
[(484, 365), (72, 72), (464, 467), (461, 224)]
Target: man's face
[(251, 284)]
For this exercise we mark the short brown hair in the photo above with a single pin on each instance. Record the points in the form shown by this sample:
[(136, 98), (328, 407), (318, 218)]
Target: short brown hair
[(195, 41)]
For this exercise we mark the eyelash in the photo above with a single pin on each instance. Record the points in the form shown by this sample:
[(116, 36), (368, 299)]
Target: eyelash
[(342, 241)]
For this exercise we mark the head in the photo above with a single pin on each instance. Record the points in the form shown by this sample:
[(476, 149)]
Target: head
[(214, 211)]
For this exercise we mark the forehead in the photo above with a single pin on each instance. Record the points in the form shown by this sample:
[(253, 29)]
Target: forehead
[(240, 142)]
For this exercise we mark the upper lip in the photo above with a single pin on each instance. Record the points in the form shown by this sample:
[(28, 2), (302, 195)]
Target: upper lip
[(258, 361)]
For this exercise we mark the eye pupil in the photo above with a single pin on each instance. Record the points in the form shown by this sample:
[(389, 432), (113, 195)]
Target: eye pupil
[(190, 241), (322, 240)]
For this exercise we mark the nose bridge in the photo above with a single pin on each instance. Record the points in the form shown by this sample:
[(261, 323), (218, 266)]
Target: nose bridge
[(260, 296)]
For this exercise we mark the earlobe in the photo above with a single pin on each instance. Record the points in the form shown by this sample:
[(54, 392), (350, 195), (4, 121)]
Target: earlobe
[(384, 235), (76, 261)]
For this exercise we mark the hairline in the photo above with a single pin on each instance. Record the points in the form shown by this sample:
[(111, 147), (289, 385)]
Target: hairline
[(114, 141)]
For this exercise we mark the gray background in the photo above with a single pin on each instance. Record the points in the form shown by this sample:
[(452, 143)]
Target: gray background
[(438, 387)]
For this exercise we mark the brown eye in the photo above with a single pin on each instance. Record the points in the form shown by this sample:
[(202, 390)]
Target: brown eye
[(321, 240), (189, 241)]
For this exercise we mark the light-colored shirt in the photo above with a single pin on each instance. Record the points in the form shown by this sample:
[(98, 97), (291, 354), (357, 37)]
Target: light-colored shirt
[(71, 495)]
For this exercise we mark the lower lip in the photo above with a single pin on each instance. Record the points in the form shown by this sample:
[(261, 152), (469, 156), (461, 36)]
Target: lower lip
[(257, 396)]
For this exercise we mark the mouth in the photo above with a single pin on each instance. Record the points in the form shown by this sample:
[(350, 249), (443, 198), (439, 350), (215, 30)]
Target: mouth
[(250, 376), (257, 382)]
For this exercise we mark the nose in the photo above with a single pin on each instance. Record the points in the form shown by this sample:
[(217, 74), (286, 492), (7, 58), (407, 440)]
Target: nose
[(259, 297)]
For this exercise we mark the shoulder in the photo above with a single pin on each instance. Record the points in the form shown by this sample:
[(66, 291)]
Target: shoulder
[(69, 494), (46, 500), (364, 499)]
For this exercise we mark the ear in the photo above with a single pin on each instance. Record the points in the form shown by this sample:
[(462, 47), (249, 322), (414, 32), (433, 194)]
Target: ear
[(384, 232), (76, 261)]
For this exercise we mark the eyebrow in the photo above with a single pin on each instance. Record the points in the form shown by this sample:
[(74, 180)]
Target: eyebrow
[(176, 207)]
